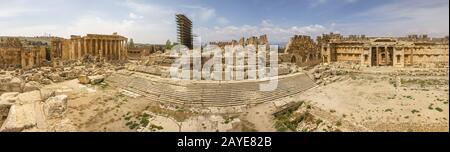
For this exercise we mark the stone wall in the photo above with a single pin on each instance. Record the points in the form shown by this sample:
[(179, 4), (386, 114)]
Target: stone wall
[(302, 51), (13, 53), (385, 51), (262, 40), (141, 50)]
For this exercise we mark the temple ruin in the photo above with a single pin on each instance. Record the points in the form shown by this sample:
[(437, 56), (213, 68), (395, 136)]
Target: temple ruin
[(136, 51), (21, 54), (302, 51), (101, 47), (408, 51), (107, 83), (253, 40)]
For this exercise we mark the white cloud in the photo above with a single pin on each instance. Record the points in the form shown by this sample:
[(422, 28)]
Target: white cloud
[(402, 18), (275, 33), (134, 16), (201, 14), (15, 8), (145, 22)]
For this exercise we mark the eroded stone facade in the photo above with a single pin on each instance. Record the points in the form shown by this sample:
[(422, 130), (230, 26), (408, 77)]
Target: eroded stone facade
[(413, 50), (139, 50), (302, 51), (14, 53), (261, 40)]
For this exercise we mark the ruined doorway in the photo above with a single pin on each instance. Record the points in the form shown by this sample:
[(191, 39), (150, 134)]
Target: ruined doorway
[(390, 51), (293, 59)]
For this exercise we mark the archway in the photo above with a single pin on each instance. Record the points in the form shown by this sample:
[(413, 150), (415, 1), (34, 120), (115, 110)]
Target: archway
[(293, 59)]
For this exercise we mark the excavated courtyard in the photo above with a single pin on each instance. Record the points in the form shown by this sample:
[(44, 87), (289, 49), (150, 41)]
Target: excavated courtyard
[(337, 97)]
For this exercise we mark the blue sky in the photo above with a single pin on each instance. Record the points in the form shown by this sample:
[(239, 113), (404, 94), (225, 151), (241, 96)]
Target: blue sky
[(152, 21)]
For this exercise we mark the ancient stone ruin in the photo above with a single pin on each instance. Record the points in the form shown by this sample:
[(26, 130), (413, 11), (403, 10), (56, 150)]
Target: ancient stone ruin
[(409, 51)]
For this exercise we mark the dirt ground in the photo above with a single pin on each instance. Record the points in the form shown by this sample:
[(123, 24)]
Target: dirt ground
[(418, 104), (360, 102)]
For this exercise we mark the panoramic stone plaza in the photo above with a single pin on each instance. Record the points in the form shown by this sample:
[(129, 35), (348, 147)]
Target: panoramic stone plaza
[(331, 83)]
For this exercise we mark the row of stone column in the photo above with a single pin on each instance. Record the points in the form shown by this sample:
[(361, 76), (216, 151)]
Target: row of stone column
[(387, 59), (109, 49)]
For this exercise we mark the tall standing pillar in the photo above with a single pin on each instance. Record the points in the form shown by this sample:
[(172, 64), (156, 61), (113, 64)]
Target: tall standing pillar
[(79, 49), (125, 51), (378, 56), (120, 49), (106, 50), (84, 47), (108, 55), (91, 47), (94, 52), (386, 52), (116, 49), (111, 50), (74, 50), (100, 51)]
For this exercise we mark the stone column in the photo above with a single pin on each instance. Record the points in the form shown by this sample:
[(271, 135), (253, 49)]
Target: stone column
[(411, 56), (84, 47), (378, 56), (116, 49), (100, 51), (79, 49), (125, 51), (91, 47), (120, 48), (23, 62), (111, 51), (72, 49), (95, 47), (386, 52), (105, 48), (108, 50)]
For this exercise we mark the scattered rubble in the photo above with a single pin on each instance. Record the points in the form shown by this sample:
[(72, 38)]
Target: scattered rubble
[(20, 117), (96, 79), (326, 74), (55, 107)]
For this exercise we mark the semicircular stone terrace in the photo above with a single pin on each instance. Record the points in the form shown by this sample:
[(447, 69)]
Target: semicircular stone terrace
[(208, 93)]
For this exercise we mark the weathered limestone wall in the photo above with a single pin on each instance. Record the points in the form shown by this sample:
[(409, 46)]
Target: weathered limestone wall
[(303, 51), (382, 51), (140, 50), (14, 54), (262, 40)]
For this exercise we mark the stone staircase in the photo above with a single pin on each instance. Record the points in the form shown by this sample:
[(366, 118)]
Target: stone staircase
[(216, 94)]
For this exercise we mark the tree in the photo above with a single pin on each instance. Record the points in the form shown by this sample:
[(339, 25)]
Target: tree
[(131, 45), (168, 45)]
